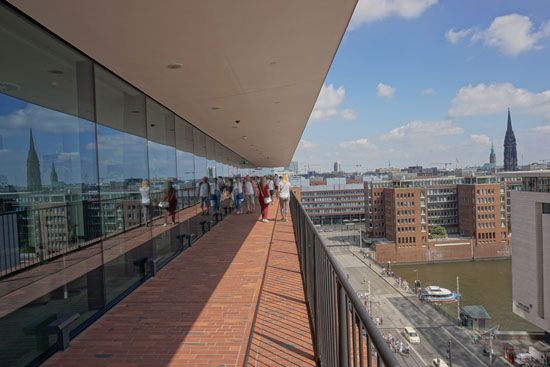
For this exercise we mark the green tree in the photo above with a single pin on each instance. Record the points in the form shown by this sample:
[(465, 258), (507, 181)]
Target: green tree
[(438, 232)]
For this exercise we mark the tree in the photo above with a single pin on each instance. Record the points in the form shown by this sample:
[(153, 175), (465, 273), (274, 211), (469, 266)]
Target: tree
[(438, 232)]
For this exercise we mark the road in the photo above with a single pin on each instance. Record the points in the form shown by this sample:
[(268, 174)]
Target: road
[(400, 309)]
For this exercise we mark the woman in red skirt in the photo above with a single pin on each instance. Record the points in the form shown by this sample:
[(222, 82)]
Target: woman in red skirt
[(264, 198)]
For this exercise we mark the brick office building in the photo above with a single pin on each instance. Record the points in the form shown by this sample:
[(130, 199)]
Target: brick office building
[(400, 214)]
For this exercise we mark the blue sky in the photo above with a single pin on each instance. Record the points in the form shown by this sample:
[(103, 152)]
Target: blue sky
[(428, 81)]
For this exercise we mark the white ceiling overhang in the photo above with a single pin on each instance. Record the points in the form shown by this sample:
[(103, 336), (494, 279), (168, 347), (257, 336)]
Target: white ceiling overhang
[(257, 61)]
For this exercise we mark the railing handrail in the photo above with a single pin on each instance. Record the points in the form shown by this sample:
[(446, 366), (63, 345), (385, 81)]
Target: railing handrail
[(377, 340)]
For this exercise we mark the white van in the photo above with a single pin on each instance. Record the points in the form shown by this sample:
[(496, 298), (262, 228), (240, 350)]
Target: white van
[(412, 335)]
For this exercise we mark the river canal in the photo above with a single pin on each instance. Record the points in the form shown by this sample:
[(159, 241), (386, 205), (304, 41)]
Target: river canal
[(488, 283)]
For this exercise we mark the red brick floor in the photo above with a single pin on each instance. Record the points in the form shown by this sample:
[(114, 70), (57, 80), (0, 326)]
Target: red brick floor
[(282, 335), (198, 310)]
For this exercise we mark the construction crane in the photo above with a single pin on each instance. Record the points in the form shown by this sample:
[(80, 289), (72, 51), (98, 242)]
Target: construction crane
[(444, 164)]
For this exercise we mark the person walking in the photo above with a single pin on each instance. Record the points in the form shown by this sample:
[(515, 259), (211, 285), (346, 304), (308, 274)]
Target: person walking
[(215, 195), (271, 186), (264, 198), (145, 201), (170, 202), (284, 196), (204, 195), (276, 183), (238, 196), (249, 195)]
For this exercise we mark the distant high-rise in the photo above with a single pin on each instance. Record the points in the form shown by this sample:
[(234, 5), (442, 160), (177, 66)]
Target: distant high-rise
[(54, 180), (34, 182), (337, 167), (292, 167), (510, 152), (492, 156)]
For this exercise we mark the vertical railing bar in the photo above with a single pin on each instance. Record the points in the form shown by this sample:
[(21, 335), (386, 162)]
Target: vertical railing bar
[(353, 323), (361, 356)]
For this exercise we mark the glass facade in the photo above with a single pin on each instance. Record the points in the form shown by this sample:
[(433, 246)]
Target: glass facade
[(80, 149)]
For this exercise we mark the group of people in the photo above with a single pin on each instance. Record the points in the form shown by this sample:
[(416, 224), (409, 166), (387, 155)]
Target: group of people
[(168, 202), (397, 345), (224, 193), (242, 195)]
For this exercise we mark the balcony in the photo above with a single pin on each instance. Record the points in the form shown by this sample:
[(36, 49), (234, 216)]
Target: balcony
[(245, 293)]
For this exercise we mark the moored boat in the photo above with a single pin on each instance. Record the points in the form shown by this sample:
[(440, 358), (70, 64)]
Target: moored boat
[(434, 293)]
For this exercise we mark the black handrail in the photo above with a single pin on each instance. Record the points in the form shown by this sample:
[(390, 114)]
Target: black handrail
[(344, 332)]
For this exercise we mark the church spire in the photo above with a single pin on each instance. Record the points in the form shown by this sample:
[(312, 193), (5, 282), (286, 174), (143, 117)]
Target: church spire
[(492, 156), (34, 181), (53, 176), (510, 149)]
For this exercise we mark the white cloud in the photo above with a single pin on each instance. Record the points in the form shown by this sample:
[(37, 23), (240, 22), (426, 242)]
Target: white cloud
[(359, 144), (42, 119), (373, 10), (306, 144), (486, 99), (429, 92), (349, 114), (423, 130), (511, 34), (543, 129), (479, 139), (456, 36), (328, 104), (385, 90)]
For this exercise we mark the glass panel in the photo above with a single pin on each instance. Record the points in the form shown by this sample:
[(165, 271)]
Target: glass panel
[(121, 145), (199, 148), (162, 151), (48, 157), (185, 163)]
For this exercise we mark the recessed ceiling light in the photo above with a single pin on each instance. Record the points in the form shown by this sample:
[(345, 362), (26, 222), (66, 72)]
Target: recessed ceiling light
[(216, 108), (244, 137), (237, 121), (55, 71), (174, 66), (234, 127)]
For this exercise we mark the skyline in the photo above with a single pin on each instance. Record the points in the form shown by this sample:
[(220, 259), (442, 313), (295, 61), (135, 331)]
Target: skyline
[(427, 81)]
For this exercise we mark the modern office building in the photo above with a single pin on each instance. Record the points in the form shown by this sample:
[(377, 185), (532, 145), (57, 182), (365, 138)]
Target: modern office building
[(337, 167), (97, 98), (334, 203), (531, 249)]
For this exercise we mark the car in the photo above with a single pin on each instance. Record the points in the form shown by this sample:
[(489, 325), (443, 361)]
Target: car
[(412, 335), (438, 362)]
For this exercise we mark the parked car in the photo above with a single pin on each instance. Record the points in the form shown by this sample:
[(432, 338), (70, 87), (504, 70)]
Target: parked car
[(438, 362)]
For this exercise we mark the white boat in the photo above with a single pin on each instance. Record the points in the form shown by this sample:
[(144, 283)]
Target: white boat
[(434, 293)]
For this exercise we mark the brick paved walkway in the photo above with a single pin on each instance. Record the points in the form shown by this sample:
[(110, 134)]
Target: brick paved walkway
[(282, 335), (198, 311)]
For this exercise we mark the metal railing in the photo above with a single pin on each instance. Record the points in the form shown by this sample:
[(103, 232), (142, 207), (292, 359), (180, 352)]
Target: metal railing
[(344, 333)]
